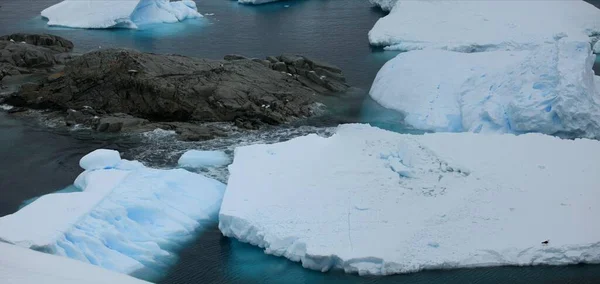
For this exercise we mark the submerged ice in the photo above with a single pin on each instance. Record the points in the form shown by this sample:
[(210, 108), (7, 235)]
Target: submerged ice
[(549, 89), (127, 217), (370, 201), (120, 14)]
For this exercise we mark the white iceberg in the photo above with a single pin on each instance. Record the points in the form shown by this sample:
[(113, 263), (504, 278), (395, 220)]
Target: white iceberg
[(24, 266), (483, 25), (100, 14), (203, 159), (549, 89), (127, 218), (374, 202), (385, 5)]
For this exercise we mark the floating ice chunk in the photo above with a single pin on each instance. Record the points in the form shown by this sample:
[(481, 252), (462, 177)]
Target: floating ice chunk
[(203, 159), (127, 219), (549, 89), (481, 25), (24, 266), (98, 14), (100, 159), (471, 200)]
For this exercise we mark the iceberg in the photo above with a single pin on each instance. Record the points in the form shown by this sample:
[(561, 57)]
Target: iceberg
[(385, 5), (95, 14), (483, 25), (374, 202), (24, 266), (549, 89), (126, 217), (597, 47), (203, 159)]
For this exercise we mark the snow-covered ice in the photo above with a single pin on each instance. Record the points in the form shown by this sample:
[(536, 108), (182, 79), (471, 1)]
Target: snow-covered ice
[(203, 159), (376, 202), (385, 5), (481, 25), (549, 89), (127, 217), (99, 14), (100, 159), (24, 266)]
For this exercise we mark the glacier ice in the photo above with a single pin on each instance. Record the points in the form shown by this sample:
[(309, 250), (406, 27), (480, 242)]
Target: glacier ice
[(203, 159), (481, 25), (597, 47), (548, 89), (369, 201), (127, 218), (24, 266), (99, 14), (385, 5)]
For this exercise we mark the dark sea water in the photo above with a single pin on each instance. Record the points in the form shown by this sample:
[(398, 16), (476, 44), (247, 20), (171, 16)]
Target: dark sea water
[(35, 160)]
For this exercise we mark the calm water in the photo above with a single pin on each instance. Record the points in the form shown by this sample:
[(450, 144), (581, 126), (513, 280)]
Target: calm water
[(36, 161)]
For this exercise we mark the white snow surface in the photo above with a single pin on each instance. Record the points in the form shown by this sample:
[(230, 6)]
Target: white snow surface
[(126, 218), (385, 5), (100, 14), (370, 201), (24, 266), (99, 159), (549, 89), (203, 159), (480, 25)]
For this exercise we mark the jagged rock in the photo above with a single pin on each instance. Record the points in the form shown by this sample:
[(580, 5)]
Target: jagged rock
[(118, 122), (280, 66), (313, 76), (272, 59), (178, 88), (52, 42), (230, 57)]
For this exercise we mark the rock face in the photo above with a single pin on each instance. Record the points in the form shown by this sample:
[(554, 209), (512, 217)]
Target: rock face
[(155, 87), (26, 53)]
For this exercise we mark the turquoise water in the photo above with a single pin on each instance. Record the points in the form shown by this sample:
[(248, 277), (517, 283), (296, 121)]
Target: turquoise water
[(36, 161)]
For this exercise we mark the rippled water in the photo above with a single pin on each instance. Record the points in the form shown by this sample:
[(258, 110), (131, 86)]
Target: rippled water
[(35, 160)]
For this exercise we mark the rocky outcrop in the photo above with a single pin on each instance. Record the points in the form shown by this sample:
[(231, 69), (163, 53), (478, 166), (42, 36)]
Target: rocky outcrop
[(248, 92), (52, 42), (26, 53)]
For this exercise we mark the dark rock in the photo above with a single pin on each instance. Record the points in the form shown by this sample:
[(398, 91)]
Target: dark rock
[(272, 59), (52, 42), (119, 122), (17, 110), (316, 64), (280, 66), (265, 63), (313, 76), (231, 57), (291, 69), (290, 59), (329, 74), (177, 88)]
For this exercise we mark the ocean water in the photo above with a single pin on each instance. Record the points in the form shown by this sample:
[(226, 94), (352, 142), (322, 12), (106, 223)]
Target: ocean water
[(35, 160)]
